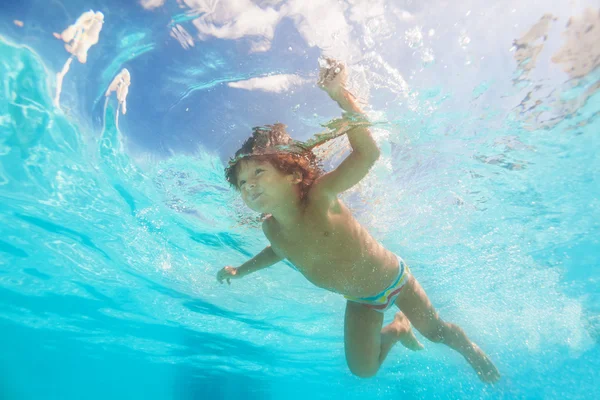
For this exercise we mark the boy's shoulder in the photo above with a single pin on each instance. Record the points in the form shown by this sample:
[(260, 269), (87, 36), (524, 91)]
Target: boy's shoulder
[(319, 199)]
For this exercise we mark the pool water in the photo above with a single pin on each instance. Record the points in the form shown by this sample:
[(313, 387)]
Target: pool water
[(113, 229)]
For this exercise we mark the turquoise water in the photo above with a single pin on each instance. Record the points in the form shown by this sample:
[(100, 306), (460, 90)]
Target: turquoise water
[(108, 256)]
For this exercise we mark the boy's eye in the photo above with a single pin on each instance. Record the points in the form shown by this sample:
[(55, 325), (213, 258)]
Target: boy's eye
[(256, 172)]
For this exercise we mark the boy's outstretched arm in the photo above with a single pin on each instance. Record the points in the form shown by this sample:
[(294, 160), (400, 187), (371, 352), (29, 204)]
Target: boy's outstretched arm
[(364, 149), (264, 259)]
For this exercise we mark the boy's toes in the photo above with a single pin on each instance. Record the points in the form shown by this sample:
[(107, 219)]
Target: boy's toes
[(405, 333), (485, 368), (409, 341), (490, 374)]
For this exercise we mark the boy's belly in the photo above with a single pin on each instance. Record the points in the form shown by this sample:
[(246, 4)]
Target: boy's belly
[(356, 278), (336, 253)]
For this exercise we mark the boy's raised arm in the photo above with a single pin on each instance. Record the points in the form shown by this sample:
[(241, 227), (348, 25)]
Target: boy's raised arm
[(264, 259), (364, 149)]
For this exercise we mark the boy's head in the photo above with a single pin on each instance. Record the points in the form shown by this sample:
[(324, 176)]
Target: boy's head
[(273, 145)]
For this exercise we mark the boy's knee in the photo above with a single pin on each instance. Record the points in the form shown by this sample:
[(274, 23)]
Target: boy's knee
[(438, 333), (441, 332), (363, 371), (435, 336)]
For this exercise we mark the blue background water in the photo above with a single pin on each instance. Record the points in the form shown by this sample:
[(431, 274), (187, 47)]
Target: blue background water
[(111, 237)]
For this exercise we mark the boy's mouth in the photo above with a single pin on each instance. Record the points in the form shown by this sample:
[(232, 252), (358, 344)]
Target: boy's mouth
[(256, 196)]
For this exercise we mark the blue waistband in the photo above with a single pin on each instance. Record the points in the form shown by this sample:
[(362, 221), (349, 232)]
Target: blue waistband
[(401, 267)]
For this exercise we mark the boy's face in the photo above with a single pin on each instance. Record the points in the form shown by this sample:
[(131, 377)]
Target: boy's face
[(262, 186)]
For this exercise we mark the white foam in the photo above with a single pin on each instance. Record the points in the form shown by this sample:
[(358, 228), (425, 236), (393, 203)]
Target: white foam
[(272, 83), (79, 38), (182, 36), (120, 85), (152, 4)]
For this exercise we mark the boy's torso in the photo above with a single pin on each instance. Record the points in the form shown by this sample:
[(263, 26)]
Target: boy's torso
[(333, 251)]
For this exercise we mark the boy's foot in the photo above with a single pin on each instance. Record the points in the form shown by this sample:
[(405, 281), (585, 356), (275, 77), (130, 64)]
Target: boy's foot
[(486, 370), (405, 333)]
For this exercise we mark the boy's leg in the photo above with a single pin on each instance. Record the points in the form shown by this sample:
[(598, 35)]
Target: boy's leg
[(415, 304), (366, 344)]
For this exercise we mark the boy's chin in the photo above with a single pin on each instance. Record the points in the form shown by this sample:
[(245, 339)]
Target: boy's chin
[(258, 209), (264, 210), (262, 206)]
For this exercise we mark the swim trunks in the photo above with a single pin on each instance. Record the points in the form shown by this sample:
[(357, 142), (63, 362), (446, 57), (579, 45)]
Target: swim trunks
[(384, 300)]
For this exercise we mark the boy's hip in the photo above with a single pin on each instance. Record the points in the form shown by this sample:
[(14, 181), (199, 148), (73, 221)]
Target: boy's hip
[(384, 300)]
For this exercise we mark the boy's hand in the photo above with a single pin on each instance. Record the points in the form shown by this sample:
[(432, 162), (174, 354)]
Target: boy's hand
[(227, 273), (332, 77)]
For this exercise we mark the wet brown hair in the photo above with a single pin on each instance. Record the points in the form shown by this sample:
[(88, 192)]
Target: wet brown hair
[(260, 147)]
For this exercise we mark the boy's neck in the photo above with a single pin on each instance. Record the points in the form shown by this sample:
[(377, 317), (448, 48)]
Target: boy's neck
[(289, 215)]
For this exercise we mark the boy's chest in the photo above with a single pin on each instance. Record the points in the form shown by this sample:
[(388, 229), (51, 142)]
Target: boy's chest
[(307, 235), (319, 238)]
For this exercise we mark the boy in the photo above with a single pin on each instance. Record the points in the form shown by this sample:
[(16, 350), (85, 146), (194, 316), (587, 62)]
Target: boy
[(308, 225)]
